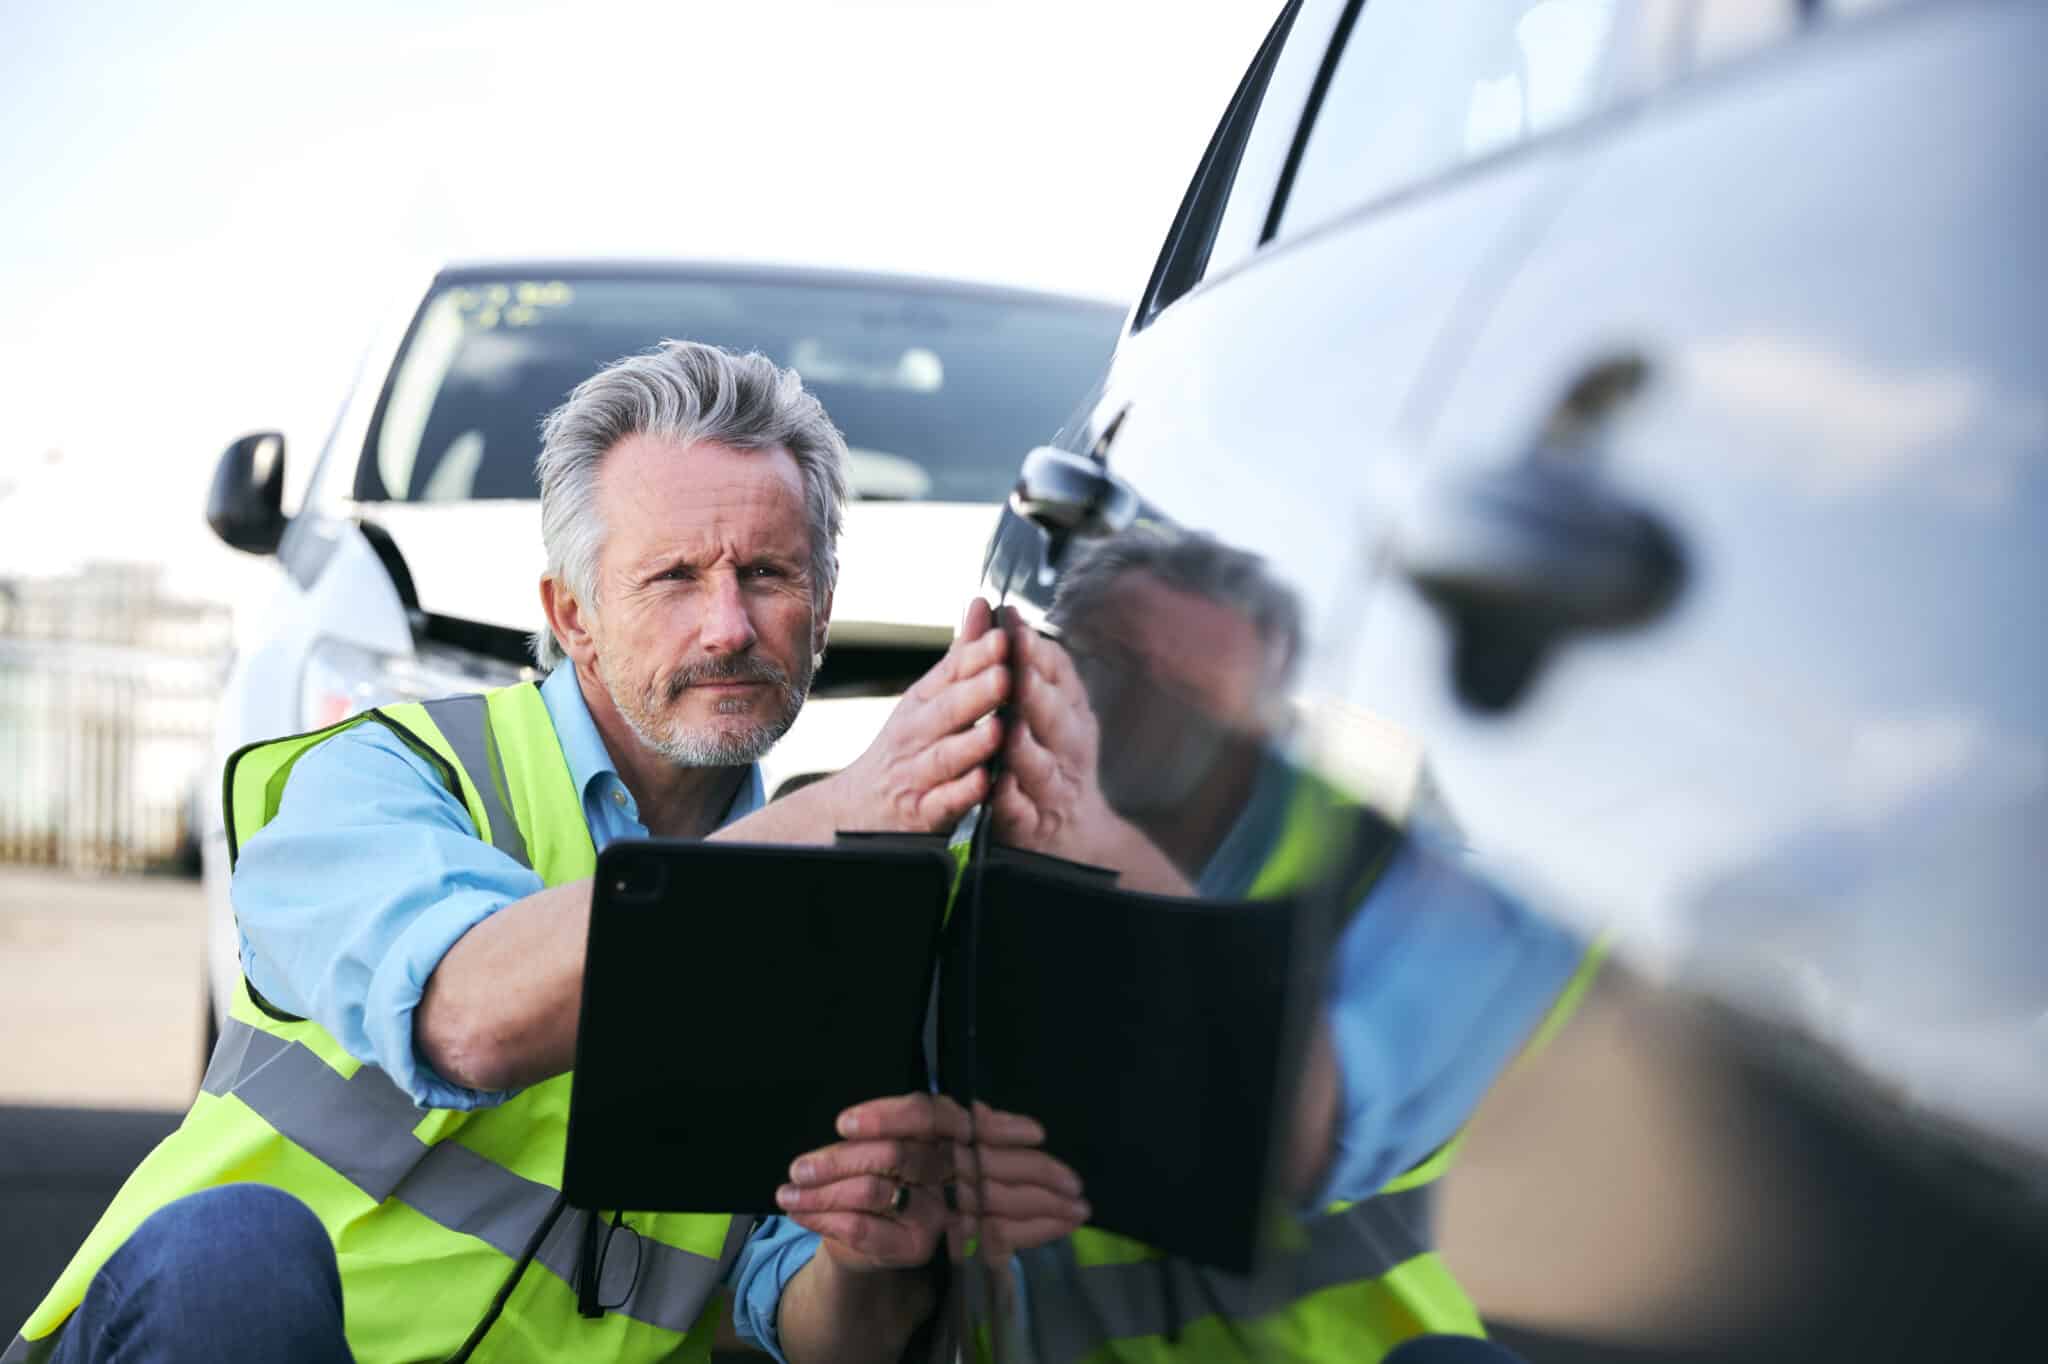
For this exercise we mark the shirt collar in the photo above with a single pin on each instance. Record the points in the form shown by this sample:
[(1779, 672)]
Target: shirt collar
[(590, 762)]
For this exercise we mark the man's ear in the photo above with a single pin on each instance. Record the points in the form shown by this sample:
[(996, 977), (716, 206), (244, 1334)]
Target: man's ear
[(569, 619)]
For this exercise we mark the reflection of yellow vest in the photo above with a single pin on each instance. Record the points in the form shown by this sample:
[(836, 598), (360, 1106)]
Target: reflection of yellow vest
[(428, 1210), (1348, 1284)]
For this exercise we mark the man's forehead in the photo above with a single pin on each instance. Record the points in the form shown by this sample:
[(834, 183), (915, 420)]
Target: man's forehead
[(646, 458), (656, 488)]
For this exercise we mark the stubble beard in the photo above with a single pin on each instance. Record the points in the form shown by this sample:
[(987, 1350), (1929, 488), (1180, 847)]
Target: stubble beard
[(649, 714)]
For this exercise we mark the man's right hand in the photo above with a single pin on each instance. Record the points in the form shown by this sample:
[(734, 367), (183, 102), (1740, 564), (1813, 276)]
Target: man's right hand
[(926, 769)]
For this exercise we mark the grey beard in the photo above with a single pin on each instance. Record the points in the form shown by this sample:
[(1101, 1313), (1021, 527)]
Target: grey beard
[(687, 749)]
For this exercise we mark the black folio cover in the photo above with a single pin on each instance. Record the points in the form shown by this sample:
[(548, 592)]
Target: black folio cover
[(738, 997), (735, 999), (1151, 1036)]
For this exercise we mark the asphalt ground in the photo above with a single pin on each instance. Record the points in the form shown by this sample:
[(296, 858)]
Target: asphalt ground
[(1641, 1191)]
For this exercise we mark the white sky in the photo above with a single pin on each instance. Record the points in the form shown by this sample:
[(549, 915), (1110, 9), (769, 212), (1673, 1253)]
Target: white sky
[(209, 205)]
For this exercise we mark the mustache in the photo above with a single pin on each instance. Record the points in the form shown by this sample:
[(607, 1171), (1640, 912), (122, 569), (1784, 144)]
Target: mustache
[(736, 668)]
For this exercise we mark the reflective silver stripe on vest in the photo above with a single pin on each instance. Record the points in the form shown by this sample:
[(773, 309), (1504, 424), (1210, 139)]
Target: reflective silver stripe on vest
[(1076, 1310), (362, 1128), (31, 1351), (465, 722)]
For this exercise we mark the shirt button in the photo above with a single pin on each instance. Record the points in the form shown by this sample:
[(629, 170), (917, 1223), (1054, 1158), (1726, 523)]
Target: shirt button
[(618, 797)]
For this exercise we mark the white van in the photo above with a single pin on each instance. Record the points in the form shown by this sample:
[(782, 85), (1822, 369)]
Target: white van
[(410, 569)]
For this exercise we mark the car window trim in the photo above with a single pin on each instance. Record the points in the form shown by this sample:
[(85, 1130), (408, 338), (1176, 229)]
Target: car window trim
[(1180, 264), (1340, 38)]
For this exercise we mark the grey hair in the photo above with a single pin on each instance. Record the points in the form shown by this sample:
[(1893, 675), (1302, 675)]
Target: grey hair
[(1192, 562), (686, 392)]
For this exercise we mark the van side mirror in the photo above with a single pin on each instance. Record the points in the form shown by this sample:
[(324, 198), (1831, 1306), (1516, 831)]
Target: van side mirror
[(246, 504)]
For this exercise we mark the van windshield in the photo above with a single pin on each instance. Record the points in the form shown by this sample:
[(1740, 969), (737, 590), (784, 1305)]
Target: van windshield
[(937, 392)]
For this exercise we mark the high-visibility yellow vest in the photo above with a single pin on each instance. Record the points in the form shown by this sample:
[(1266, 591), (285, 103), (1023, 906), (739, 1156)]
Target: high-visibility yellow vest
[(430, 1209), (1349, 1283)]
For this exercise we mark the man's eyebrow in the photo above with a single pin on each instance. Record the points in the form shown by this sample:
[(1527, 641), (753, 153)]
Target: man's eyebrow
[(655, 565)]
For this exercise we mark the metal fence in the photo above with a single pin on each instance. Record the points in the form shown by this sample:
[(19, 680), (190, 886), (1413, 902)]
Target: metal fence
[(107, 694)]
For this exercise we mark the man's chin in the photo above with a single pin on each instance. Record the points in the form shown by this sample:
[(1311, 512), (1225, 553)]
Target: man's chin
[(720, 746)]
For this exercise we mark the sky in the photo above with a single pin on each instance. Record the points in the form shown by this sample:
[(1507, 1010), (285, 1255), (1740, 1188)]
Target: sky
[(210, 207)]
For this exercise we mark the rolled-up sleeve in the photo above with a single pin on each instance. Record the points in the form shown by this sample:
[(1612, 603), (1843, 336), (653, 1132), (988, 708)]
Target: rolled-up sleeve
[(772, 1255), (1438, 980), (350, 897)]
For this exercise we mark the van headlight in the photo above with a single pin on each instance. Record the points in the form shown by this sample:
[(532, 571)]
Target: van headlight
[(341, 679)]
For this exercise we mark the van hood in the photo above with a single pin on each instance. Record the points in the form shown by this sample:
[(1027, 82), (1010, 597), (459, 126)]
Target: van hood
[(906, 569)]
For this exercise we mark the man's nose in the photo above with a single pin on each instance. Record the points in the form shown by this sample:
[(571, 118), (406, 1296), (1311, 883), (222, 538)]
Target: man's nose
[(727, 628)]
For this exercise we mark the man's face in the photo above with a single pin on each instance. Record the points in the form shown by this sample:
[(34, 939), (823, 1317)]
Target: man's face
[(706, 626)]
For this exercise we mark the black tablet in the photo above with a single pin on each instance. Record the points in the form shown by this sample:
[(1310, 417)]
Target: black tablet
[(736, 998)]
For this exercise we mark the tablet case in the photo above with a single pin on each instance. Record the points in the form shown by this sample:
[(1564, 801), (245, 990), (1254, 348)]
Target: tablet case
[(1156, 1039), (736, 999)]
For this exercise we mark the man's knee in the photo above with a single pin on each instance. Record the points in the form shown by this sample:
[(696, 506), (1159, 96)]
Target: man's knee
[(242, 1222), (211, 1246), (238, 1271)]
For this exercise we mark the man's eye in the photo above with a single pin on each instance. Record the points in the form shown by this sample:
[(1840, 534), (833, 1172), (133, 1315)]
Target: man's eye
[(764, 571)]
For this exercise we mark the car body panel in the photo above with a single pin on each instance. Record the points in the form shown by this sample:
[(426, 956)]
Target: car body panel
[(1804, 784), (1774, 292)]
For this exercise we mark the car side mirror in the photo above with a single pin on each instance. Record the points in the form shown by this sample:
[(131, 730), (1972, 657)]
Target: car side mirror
[(246, 504)]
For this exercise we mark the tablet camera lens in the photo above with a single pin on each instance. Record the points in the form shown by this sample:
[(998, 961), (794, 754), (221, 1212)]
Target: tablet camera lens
[(638, 882)]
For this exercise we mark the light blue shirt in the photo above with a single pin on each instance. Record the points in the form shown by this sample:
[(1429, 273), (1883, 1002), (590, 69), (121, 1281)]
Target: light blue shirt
[(349, 898), (1435, 983)]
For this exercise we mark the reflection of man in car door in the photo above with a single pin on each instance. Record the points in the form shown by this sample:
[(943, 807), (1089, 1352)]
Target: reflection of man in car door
[(1148, 744)]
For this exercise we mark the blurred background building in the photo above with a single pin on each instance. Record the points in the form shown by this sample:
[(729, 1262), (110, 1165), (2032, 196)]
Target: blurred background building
[(107, 689)]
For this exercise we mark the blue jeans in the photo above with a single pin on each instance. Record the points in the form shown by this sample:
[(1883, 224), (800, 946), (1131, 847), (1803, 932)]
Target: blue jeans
[(243, 1271)]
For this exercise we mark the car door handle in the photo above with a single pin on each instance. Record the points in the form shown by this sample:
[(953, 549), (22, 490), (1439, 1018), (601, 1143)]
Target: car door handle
[(1069, 494), (1518, 560)]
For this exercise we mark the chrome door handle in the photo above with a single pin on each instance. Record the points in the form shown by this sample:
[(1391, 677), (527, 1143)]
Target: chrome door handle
[(1517, 561)]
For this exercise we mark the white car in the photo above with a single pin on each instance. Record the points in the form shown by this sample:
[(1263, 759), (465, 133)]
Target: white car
[(411, 568)]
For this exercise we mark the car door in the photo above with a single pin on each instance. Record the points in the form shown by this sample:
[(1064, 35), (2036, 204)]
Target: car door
[(1718, 607), (1201, 538)]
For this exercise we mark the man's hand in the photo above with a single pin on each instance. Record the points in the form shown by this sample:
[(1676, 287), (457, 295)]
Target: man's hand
[(1050, 798), (998, 1185), (881, 1200), (925, 769)]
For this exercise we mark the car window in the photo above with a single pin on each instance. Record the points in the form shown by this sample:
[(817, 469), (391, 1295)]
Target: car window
[(935, 391), (1420, 88)]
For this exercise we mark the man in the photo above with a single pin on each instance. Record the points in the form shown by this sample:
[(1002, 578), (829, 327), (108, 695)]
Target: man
[(1146, 739), (413, 893)]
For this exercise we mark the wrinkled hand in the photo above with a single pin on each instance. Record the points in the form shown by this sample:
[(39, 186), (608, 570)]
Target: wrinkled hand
[(1049, 798), (925, 769), (1010, 1194)]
